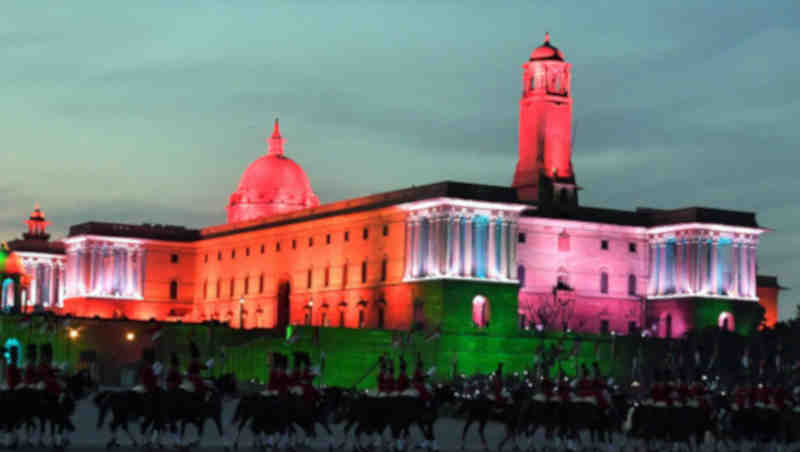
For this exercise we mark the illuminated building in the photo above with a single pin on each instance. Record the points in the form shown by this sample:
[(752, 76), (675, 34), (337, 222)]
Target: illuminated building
[(423, 255)]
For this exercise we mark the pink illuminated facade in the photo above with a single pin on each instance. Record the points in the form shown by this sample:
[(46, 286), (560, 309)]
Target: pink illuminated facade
[(370, 262)]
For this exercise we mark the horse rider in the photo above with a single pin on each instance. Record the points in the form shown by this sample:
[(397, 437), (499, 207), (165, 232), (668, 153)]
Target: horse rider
[(389, 381), (585, 387), (497, 384), (47, 373), (547, 387), (741, 396), (383, 370), (564, 387), (174, 377), (13, 372), (307, 379), (147, 381), (418, 381), (682, 392), (659, 392), (403, 382), (194, 369), (277, 377), (31, 377)]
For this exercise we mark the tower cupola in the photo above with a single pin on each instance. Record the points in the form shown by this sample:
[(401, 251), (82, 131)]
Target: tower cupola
[(37, 225)]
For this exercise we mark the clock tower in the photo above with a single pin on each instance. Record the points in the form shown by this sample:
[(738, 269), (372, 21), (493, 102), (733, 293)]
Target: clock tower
[(544, 169)]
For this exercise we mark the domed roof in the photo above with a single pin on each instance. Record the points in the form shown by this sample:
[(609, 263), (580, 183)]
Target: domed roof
[(547, 51), (273, 184)]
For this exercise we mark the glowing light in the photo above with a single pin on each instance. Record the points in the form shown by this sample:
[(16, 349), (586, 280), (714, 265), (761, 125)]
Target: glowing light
[(73, 333), (129, 336)]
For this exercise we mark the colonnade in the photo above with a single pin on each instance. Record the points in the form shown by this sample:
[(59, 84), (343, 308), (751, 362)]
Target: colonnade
[(703, 266), (461, 244), (47, 281), (106, 270)]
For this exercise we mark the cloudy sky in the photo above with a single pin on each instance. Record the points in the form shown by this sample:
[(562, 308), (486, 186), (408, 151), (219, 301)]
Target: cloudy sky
[(149, 113)]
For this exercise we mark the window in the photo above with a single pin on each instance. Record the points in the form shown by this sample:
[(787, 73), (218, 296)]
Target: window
[(277, 246), (246, 285), (341, 319), (381, 319), (385, 230), (631, 247), (362, 319), (327, 239), (294, 244), (205, 289), (231, 288), (604, 326), (344, 275), (219, 287), (261, 283), (206, 258), (308, 279), (173, 290), (262, 248), (323, 319), (327, 276), (631, 284), (521, 237), (364, 272), (233, 254), (219, 255), (603, 282), (173, 258), (383, 270), (346, 236), (310, 242), (480, 311), (603, 244), (365, 234), (247, 251), (307, 319)]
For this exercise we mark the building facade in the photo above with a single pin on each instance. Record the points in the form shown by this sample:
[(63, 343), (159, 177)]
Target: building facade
[(423, 256)]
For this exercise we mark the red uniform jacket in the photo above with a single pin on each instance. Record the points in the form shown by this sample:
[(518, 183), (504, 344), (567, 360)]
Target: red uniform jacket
[(174, 378), (419, 384), (563, 390), (548, 387), (275, 380), (147, 378), (31, 374), (13, 376), (48, 375), (402, 381)]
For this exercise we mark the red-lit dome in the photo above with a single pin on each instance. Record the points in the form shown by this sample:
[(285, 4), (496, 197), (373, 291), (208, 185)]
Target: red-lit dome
[(271, 185), (10, 263), (547, 51)]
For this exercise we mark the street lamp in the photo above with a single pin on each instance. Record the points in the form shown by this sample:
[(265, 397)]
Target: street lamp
[(129, 336), (241, 313), (73, 333), (73, 336)]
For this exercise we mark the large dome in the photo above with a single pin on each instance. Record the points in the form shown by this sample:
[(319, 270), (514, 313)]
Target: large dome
[(271, 185)]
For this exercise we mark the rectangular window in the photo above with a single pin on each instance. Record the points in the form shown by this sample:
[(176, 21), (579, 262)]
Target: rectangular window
[(308, 280), (604, 328), (247, 251), (232, 287), (206, 258), (385, 230), (346, 236), (294, 244), (205, 289), (341, 319), (365, 233), (632, 247), (173, 258), (173, 290), (603, 244), (310, 242), (219, 255), (246, 285), (328, 239), (381, 319), (364, 272), (521, 237), (327, 276), (383, 270), (261, 284), (233, 254), (277, 246), (219, 287), (262, 248)]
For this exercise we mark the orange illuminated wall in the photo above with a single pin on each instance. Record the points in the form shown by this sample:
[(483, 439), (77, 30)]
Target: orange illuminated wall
[(767, 290)]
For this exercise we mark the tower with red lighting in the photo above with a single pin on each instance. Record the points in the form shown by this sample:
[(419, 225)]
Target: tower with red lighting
[(544, 170), (37, 225)]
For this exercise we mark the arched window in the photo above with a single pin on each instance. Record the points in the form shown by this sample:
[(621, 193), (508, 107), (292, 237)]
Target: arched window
[(631, 284), (232, 287), (364, 270), (205, 289), (726, 322), (604, 282), (480, 311), (173, 290)]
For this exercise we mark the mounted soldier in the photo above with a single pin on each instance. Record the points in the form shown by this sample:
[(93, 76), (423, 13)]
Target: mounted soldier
[(564, 387), (497, 385), (13, 372), (174, 377), (194, 369), (47, 372), (147, 382), (307, 378), (277, 375), (295, 377), (31, 377), (418, 381), (390, 385)]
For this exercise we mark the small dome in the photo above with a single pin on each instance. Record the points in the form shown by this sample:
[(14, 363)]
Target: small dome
[(547, 51), (271, 185)]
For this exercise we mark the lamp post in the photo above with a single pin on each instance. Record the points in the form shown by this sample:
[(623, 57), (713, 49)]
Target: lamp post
[(241, 313), (73, 336)]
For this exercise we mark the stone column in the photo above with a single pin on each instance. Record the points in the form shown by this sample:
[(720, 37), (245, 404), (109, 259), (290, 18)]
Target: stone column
[(142, 271), (430, 258), (448, 262), (415, 247), (734, 289), (662, 268), (752, 270), (407, 250), (455, 264), (51, 299), (129, 272), (491, 248), (692, 265), (512, 251), (652, 270), (444, 243), (504, 249), (715, 267), (468, 251)]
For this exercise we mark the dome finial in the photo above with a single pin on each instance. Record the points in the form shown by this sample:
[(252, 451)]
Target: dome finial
[(547, 37), (275, 141)]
